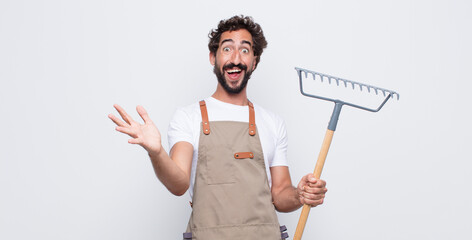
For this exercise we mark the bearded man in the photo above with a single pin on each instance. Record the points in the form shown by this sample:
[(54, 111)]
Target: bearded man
[(227, 152)]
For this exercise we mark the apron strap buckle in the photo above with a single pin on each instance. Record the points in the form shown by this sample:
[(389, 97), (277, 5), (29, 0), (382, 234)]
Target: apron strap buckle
[(283, 232), (188, 235)]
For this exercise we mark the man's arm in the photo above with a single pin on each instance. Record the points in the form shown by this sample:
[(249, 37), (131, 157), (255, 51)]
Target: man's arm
[(287, 198), (174, 170)]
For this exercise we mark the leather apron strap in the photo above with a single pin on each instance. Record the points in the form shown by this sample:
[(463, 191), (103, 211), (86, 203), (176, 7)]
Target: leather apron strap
[(206, 123)]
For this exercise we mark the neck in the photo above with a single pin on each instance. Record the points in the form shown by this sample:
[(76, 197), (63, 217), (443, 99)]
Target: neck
[(233, 98)]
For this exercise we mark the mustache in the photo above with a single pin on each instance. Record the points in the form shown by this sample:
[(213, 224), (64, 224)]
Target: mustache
[(232, 65)]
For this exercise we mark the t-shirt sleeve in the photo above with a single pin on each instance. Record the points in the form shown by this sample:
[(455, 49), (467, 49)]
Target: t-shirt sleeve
[(280, 156), (180, 129)]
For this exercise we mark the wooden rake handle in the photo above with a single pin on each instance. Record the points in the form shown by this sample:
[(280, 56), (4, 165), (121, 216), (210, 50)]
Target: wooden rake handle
[(318, 169)]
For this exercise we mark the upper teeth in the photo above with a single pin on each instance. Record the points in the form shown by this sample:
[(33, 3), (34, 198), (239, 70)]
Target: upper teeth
[(234, 70)]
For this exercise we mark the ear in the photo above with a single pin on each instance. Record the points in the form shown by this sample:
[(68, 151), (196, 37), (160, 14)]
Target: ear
[(254, 64), (212, 58)]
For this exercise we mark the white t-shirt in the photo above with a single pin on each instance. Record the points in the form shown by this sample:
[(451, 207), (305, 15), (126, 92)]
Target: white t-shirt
[(186, 122)]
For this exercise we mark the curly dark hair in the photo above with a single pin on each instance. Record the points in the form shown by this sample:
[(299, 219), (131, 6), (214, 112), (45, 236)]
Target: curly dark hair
[(236, 23)]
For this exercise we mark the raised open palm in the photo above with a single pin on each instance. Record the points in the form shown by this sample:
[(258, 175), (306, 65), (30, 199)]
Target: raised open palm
[(146, 135)]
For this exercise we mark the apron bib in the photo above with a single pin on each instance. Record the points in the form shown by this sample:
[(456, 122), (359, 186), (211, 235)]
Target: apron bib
[(231, 198)]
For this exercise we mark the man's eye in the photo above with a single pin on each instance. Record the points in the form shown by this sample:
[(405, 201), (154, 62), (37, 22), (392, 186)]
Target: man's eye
[(226, 49), (245, 51)]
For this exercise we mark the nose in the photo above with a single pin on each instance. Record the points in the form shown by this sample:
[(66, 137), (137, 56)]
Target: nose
[(236, 58)]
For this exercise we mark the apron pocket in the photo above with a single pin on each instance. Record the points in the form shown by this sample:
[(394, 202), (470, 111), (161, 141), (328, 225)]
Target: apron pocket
[(220, 166)]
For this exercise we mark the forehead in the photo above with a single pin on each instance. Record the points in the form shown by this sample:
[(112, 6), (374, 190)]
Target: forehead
[(238, 36)]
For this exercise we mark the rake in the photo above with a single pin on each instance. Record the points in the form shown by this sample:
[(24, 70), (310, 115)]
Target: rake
[(338, 104)]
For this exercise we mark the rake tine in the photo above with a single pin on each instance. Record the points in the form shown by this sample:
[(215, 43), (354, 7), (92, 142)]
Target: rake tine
[(330, 78)]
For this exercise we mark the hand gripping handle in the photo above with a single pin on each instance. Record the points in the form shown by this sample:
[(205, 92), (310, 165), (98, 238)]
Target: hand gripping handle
[(318, 169), (319, 165)]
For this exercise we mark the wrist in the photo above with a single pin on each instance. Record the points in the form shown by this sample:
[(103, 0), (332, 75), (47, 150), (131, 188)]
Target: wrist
[(155, 154), (299, 196)]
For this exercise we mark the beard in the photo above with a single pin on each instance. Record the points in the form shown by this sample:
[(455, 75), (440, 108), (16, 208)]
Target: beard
[(222, 80)]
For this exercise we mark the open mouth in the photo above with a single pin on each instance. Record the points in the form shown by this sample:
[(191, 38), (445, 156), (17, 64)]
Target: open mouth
[(234, 73)]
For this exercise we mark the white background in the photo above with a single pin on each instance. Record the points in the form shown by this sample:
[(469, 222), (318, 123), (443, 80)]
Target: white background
[(402, 173)]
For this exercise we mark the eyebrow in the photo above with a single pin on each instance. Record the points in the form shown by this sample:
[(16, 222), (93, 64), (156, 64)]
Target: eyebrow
[(245, 41), (231, 40), (226, 40)]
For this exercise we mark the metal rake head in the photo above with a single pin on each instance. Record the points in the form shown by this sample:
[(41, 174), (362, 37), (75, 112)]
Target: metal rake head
[(347, 83)]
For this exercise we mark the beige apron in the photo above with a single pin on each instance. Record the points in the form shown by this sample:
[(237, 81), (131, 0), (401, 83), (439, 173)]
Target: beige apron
[(231, 194)]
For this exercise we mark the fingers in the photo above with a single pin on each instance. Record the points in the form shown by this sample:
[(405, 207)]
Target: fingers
[(314, 190), (311, 199), (311, 181), (123, 114), (116, 120), (316, 183), (311, 202), (144, 115), (311, 190), (134, 141), (313, 193), (126, 130)]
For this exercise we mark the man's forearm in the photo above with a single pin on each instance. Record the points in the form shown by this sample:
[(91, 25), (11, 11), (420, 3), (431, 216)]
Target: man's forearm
[(169, 173), (287, 200)]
